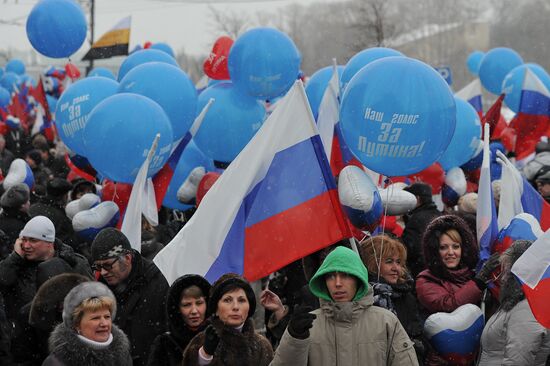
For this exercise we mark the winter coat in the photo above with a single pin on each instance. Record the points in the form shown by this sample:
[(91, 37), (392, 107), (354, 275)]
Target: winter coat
[(167, 349), (18, 276), (68, 350), (236, 348), (347, 333), (141, 302), (12, 221), (416, 222)]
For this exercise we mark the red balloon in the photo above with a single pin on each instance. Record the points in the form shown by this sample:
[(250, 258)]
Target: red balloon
[(205, 184), (119, 193), (147, 45), (72, 71), (215, 66), (434, 175)]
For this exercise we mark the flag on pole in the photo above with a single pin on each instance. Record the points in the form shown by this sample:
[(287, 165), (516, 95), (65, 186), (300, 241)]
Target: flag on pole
[(276, 202), (492, 117), (533, 271), (472, 94), (142, 201), (113, 43), (329, 114)]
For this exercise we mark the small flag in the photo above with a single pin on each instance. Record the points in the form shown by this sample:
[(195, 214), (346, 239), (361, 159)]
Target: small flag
[(113, 43)]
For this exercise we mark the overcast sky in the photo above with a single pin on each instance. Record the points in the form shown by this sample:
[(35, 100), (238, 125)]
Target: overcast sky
[(182, 24)]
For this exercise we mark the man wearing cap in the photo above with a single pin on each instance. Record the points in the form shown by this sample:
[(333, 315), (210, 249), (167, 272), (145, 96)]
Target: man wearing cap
[(416, 222), (139, 287), (348, 329), (15, 205), (542, 180), (36, 244)]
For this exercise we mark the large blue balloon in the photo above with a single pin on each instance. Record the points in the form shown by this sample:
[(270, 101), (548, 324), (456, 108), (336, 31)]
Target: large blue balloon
[(397, 116), (102, 71), (191, 158), (164, 47), (56, 28), (495, 65), (465, 139), (513, 83), (473, 61), (120, 132), (362, 59), (1, 72), (4, 97), (16, 66), (264, 63), (74, 108), (316, 86), (142, 57), (10, 81), (230, 123), (170, 87)]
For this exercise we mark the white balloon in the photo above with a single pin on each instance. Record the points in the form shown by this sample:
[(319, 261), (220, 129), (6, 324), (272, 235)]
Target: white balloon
[(85, 202)]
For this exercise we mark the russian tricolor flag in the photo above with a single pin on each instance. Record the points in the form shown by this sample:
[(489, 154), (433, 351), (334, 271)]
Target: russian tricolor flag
[(472, 94), (533, 118), (276, 202), (522, 227), (533, 271), (534, 204)]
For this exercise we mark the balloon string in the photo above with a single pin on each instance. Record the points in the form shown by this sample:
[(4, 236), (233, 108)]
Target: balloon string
[(379, 261)]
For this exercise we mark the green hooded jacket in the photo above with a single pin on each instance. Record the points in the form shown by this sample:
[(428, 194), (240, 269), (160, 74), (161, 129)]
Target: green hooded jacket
[(342, 260)]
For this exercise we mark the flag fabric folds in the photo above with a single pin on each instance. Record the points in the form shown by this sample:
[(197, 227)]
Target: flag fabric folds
[(472, 94), (113, 43), (492, 117), (276, 202)]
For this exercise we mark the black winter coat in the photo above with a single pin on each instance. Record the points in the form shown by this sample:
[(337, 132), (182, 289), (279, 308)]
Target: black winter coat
[(141, 302), (12, 221)]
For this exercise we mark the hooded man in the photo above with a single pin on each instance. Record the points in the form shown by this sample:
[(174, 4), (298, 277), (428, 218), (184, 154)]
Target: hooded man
[(347, 329)]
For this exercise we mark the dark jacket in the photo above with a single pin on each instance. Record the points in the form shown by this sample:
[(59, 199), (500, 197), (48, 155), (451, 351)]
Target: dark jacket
[(246, 348), (416, 222), (68, 350), (12, 221), (141, 302), (6, 157), (167, 350)]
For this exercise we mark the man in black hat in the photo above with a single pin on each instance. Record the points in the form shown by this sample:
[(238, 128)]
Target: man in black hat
[(15, 205), (139, 287), (416, 222)]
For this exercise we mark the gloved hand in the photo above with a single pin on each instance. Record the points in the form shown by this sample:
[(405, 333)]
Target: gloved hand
[(484, 274), (211, 340), (301, 321)]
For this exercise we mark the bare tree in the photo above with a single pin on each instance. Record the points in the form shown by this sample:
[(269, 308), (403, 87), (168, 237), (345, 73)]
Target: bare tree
[(228, 23)]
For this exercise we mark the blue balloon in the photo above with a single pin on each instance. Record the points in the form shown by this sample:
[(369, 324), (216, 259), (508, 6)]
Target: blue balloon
[(102, 71), (362, 59), (264, 63), (56, 28), (465, 139), (1, 72), (191, 158), (119, 134), (212, 82), (397, 116), (4, 97), (16, 66), (170, 87), (316, 86), (27, 79), (513, 83), (52, 102), (75, 106), (473, 61), (495, 65), (164, 47), (10, 81), (142, 57), (230, 123)]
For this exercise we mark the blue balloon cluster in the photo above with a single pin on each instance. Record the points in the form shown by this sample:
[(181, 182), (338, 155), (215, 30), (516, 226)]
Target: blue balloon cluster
[(4, 97), (75, 106), (10, 81), (56, 28), (119, 134), (16, 66), (230, 123), (142, 57), (264, 63), (473, 61), (397, 116), (102, 71), (316, 86), (170, 87), (513, 83), (465, 139), (164, 47), (494, 67)]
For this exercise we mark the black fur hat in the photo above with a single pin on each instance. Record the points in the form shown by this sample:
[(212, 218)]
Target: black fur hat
[(229, 282)]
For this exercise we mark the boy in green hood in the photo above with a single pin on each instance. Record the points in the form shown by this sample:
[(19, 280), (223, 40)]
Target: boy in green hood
[(347, 329)]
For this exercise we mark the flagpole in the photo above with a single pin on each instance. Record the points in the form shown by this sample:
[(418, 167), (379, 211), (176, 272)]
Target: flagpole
[(92, 28)]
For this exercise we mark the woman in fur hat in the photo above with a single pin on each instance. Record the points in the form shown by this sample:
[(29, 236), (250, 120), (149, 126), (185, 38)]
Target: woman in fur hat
[(87, 335), (512, 336), (230, 340)]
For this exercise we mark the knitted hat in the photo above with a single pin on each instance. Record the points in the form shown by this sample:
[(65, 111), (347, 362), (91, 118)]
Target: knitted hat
[(468, 203), (57, 187), (16, 196), (419, 189), (77, 295), (109, 243), (81, 185), (35, 156), (39, 227), (226, 283)]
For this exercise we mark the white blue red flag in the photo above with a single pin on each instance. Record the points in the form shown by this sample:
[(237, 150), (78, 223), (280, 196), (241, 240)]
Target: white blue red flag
[(533, 271), (276, 202), (472, 94), (522, 227)]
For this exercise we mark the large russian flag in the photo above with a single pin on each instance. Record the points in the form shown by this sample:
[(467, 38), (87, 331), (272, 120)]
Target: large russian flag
[(276, 202), (472, 94), (533, 271), (533, 118)]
